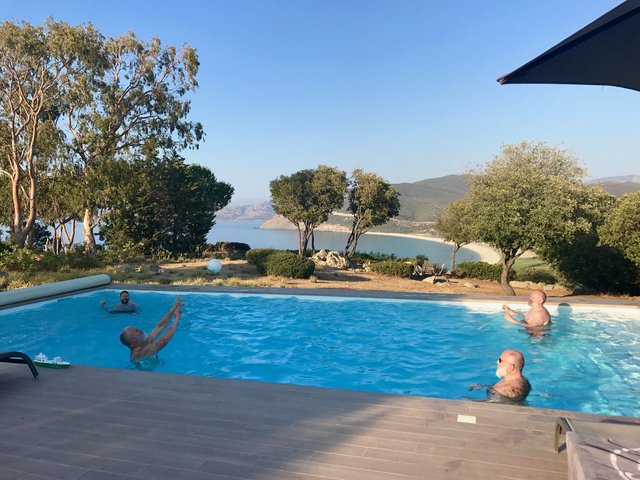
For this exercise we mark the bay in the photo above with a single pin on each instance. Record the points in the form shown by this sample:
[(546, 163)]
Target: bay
[(250, 232)]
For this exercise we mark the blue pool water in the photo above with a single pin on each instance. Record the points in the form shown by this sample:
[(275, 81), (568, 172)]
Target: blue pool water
[(589, 362)]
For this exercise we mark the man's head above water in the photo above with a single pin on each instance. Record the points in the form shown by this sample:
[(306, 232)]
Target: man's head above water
[(124, 297), (510, 361), (537, 297), (133, 337)]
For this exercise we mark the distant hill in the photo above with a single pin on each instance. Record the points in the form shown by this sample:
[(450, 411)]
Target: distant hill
[(422, 201), (618, 186), (238, 213)]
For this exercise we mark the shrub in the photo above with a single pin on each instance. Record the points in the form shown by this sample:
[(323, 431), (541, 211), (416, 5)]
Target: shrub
[(393, 268), (82, 261), (537, 275), (285, 264), (483, 271), (257, 256), (230, 250)]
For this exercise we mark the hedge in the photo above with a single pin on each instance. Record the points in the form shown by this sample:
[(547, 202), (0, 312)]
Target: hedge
[(286, 264), (483, 271), (393, 268)]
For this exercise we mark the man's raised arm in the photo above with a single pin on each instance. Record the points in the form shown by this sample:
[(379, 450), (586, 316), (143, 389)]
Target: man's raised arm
[(157, 330)]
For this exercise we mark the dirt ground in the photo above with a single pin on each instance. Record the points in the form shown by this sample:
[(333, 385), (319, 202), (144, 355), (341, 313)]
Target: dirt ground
[(240, 273)]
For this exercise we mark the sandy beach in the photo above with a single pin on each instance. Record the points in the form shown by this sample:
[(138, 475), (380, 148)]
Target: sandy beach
[(486, 253)]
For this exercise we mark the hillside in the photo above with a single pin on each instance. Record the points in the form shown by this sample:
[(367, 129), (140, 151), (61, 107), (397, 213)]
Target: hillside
[(422, 201)]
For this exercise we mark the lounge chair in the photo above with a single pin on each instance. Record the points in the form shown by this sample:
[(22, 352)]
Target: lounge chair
[(600, 450), (19, 357)]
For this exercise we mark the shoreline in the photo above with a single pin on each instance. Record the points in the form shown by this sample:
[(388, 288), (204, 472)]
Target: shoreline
[(486, 253)]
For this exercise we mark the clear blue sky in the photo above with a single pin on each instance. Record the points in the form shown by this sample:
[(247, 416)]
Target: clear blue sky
[(403, 88)]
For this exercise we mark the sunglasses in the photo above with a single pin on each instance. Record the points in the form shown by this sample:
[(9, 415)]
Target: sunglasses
[(500, 360)]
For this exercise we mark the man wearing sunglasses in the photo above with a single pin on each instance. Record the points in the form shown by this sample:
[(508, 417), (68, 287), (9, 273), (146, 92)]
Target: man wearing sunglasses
[(513, 386)]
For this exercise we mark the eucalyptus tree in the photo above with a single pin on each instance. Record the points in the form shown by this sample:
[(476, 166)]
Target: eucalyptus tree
[(39, 66), (306, 198), (372, 201), (524, 199), (455, 225), (134, 103)]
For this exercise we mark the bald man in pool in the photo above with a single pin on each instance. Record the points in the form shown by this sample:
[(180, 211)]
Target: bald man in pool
[(513, 386), (145, 345), (537, 316)]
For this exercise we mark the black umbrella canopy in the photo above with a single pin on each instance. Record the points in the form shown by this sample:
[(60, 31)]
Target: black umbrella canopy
[(605, 52)]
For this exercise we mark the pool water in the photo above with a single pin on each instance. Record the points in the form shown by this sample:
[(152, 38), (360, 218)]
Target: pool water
[(589, 361)]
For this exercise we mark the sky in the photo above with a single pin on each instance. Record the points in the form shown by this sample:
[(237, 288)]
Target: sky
[(403, 88)]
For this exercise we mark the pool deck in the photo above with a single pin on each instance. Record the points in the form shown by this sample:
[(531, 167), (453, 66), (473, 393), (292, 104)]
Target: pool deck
[(97, 423)]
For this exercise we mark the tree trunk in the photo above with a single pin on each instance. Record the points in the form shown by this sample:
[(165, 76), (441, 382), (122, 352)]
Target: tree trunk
[(354, 244), (17, 210), (89, 237), (508, 259), (300, 240), (352, 241), (313, 243), (454, 250)]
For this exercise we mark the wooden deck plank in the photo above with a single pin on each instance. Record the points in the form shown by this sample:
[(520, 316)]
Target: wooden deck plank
[(92, 424)]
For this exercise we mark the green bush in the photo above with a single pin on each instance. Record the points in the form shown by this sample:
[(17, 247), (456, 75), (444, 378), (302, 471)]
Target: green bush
[(285, 264), (482, 271), (257, 256), (231, 250), (82, 261), (537, 275), (24, 260), (393, 268)]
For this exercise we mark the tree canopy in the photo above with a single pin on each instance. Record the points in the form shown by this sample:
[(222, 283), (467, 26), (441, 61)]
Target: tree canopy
[(372, 201), (526, 198), (621, 229), (455, 225), (307, 197)]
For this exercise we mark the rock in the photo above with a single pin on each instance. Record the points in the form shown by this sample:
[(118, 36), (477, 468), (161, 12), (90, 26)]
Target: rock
[(431, 280), (320, 256), (123, 268), (470, 285), (148, 268), (548, 287), (335, 260)]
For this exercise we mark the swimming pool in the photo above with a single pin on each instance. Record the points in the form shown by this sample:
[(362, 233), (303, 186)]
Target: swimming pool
[(589, 362)]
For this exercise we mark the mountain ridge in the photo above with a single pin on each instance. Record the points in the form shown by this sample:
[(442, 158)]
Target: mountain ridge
[(423, 200)]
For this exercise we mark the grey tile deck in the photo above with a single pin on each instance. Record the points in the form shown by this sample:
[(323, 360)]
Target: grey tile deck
[(92, 423)]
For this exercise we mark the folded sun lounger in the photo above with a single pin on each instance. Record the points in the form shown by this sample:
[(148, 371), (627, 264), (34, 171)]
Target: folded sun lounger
[(600, 450), (19, 357)]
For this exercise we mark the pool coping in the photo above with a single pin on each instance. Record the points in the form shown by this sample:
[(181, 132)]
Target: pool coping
[(343, 293)]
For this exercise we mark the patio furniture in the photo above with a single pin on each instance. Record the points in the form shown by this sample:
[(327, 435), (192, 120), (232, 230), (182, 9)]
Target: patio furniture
[(600, 450), (607, 428), (19, 357)]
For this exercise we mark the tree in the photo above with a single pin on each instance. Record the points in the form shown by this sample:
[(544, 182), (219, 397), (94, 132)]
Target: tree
[(372, 201), (132, 105), (621, 229), (307, 197), (524, 199), (454, 224), (160, 205), (39, 66), (582, 258)]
